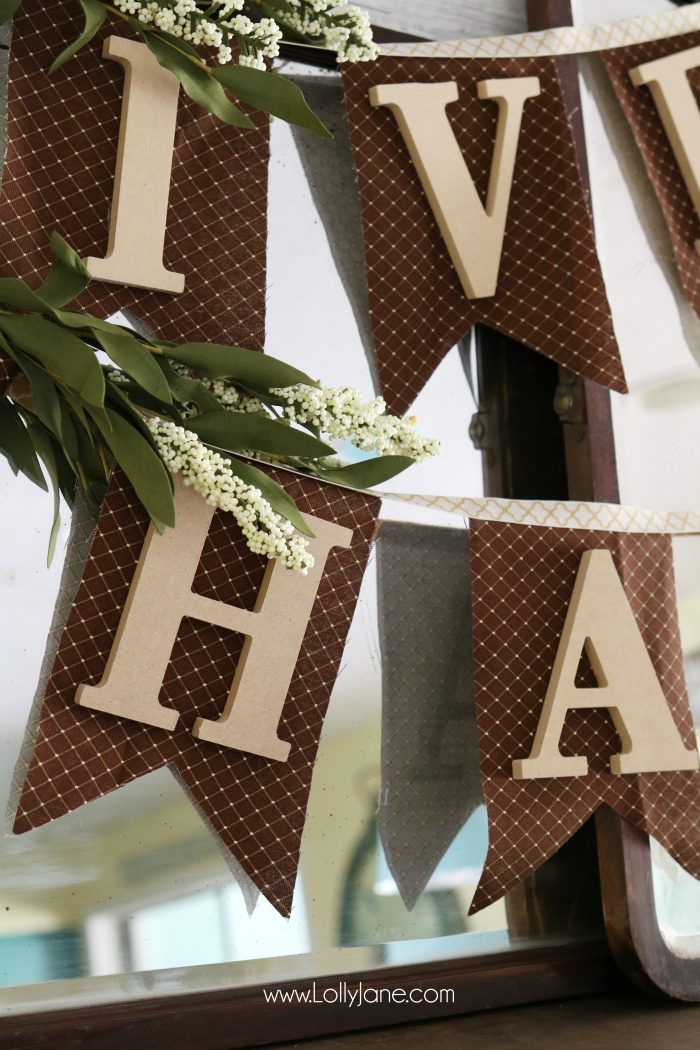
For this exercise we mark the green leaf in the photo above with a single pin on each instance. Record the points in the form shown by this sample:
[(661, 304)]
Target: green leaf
[(196, 82), (279, 499), (43, 445), (122, 402), (168, 38), (91, 469), (131, 356), (138, 398), (68, 276), (143, 467), (66, 357), (17, 445), (45, 400), (367, 473), (235, 431), (95, 14), (272, 94), (72, 319), (19, 296), (68, 434), (186, 390), (237, 363), (8, 8), (78, 410)]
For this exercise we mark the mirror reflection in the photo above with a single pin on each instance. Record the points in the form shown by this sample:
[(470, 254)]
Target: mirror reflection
[(135, 881)]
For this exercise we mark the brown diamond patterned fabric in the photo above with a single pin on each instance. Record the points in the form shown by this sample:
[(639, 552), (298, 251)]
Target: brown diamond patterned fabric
[(522, 580), (257, 807), (550, 293), (59, 175), (661, 165)]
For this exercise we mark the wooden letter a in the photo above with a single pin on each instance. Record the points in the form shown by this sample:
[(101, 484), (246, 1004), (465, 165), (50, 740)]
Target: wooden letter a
[(601, 620)]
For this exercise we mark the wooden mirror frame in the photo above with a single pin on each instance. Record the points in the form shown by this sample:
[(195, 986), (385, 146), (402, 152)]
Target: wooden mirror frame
[(527, 452)]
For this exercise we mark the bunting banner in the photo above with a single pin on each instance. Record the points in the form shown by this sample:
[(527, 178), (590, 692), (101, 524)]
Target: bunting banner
[(232, 692), (472, 204), (658, 86), (536, 670), (201, 590), (59, 176), (432, 139), (569, 666), (557, 684)]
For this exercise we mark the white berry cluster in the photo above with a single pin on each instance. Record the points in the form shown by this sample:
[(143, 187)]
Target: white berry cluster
[(214, 477), (210, 25), (341, 413), (343, 28)]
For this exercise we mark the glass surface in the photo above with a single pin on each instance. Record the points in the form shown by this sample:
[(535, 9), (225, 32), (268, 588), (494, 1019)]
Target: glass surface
[(658, 422), (130, 896)]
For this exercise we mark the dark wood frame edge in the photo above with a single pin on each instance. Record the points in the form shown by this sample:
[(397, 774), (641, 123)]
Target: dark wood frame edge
[(224, 1020)]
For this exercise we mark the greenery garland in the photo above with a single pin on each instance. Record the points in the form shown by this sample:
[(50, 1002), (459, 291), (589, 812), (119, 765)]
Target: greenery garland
[(90, 393), (173, 30)]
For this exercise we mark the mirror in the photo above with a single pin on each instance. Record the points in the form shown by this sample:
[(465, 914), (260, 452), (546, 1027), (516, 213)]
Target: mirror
[(134, 884)]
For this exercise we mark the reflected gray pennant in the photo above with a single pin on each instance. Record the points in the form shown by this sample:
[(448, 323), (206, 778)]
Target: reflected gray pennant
[(330, 172), (431, 782)]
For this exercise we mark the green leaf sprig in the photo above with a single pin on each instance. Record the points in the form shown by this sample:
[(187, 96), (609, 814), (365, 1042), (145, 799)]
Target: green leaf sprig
[(86, 388), (209, 86)]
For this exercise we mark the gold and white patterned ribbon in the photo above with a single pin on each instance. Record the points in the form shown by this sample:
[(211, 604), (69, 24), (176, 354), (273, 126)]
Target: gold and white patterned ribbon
[(612, 517), (562, 514), (568, 40)]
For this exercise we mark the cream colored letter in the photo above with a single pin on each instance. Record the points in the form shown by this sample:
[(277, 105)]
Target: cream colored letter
[(601, 620), (473, 234), (142, 179), (667, 79), (161, 595)]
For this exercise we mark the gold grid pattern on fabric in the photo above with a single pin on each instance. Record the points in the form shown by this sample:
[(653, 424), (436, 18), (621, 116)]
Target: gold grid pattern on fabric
[(257, 807), (59, 175), (661, 165), (550, 293), (522, 580)]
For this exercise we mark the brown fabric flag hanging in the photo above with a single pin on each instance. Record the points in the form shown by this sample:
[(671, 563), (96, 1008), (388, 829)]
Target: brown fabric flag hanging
[(256, 806), (662, 166), (59, 176), (550, 293), (522, 582)]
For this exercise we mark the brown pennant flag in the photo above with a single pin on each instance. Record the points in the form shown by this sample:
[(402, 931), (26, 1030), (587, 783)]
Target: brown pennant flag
[(550, 293), (59, 173), (255, 805), (636, 93), (522, 583)]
